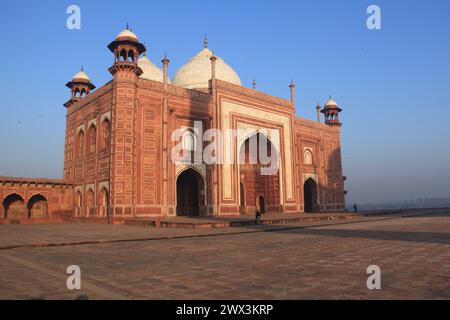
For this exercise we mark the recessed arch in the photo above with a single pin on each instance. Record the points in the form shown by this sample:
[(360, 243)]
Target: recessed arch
[(80, 144), (103, 202), (14, 206), (78, 203), (308, 157), (105, 134), (90, 202), (310, 195), (92, 136), (37, 206), (255, 178), (190, 193)]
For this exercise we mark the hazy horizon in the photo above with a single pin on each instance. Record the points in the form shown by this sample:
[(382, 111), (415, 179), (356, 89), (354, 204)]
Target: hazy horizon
[(392, 84)]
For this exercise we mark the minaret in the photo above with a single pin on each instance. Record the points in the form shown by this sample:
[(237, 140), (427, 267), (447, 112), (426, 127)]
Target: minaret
[(165, 61), (318, 107), (124, 123), (213, 73), (291, 88), (80, 86), (331, 111), (126, 48)]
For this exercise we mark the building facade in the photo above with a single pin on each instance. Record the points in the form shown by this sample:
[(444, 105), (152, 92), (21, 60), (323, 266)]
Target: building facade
[(121, 140)]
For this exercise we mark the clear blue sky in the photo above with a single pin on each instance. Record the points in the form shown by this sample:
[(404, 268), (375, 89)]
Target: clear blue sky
[(393, 84)]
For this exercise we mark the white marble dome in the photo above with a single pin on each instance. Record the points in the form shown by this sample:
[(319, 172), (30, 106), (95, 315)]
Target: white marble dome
[(330, 103), (127, 33), (81, 75), (150, 70), (196, 73)]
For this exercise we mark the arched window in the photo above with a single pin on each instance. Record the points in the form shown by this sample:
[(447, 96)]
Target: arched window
[(131, 56), (92, 138), (123, 55), (90, 202), (80, 144), (307, 157), (105, 139)]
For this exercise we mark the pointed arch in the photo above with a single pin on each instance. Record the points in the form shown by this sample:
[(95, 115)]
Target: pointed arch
[(92, 136), (308, 157), (90, 202), (14, 206), (78, 203), (190, 193), (103, 202), (80, 144), (310, 195), (255, 179), (105, 134), (37, 206)]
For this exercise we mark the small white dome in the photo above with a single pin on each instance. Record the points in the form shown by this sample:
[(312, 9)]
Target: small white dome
[(151, 71), (196, 73), (81, 75), (330, 103), (127, 33)]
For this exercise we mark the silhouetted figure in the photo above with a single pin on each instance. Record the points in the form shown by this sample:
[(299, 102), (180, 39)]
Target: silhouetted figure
[(355, 207), (258, 215)]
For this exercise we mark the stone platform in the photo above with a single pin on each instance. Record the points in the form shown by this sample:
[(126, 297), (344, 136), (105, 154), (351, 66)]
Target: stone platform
[(247, 220)]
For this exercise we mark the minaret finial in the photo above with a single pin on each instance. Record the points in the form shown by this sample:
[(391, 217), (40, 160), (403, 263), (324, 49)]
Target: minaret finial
[(205, 41), (254, 83)]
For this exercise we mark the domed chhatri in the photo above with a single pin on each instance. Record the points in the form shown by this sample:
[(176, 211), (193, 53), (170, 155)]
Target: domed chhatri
[(196, 73), (331, 112), (150, 70)]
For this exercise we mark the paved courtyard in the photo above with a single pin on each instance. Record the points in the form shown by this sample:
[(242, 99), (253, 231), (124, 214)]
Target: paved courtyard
[(298, 261)]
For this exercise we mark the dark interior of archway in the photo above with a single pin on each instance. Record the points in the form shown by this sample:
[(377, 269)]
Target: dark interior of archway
[(310, 195), (188, 193)]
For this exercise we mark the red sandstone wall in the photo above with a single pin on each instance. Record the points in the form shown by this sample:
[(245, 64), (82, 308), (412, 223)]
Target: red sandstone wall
[(17, 194), (324, 141)]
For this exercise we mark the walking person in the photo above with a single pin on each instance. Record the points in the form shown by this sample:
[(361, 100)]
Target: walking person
[(258, 215)]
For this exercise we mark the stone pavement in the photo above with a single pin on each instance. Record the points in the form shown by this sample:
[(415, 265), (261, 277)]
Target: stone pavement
[(299, 261)]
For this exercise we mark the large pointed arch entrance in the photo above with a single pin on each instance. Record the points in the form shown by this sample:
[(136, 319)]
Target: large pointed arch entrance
[(191, 193), (310, 195), (258, 188)]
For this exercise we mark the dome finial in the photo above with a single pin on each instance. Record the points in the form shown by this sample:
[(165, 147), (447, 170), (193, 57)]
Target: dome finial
[(82, 68), (127, 27), (205, 41)]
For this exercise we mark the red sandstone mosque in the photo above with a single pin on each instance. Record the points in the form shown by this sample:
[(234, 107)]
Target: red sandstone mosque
[(117, 156)]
